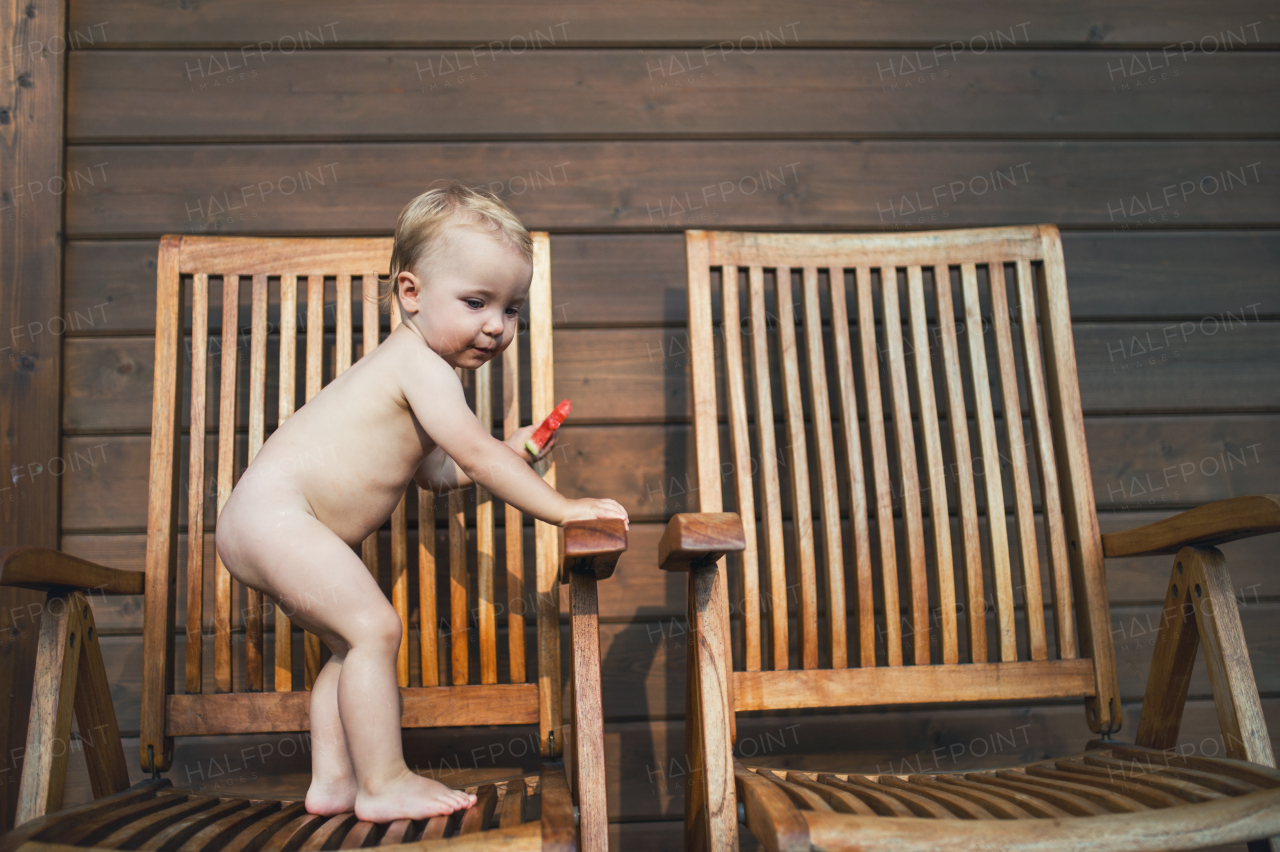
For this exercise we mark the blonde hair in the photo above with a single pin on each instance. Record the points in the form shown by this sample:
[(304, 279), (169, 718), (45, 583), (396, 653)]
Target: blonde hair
[(422, 227)]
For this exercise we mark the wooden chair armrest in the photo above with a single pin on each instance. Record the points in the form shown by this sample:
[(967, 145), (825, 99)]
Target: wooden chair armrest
[(44, 569), (592, 548), (699, 539), (1210, 524)]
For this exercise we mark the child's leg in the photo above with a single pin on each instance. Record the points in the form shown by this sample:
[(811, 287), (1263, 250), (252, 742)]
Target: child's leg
[(325, 588), (333, 778)]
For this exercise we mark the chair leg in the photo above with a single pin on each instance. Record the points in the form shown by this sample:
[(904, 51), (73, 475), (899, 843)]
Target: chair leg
[(96, 715), (1200, 608), (44, 763), (587, 755), (711, 819)]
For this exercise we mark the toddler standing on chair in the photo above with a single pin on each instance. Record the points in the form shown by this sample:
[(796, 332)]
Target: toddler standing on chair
[(461, 267)]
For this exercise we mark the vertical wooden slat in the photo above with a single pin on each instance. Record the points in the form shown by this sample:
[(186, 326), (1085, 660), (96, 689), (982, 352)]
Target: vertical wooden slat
[(798, 464), (741, 446), (428, 626), (1084, 538), (772, 491), (546, 536), (939, 518), (853, 458), (315, 380), (226, 460), (1024, 514), (155, 748), (196, 483), (821, 415), (399, 527), (514, 523), (706, 430), (880, 466), (1042, 436), (486, 551), (970, 542), (1000, 568), (907, 473), (372, 333), (459, 582), (253, 645), (342, 343), (288, 387)]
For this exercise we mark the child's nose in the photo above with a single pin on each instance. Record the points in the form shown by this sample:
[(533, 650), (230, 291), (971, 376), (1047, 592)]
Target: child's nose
[(493, 326)]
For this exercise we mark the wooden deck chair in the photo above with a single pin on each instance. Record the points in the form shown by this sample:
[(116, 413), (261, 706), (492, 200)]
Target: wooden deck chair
[(902, 496), (269, 693)]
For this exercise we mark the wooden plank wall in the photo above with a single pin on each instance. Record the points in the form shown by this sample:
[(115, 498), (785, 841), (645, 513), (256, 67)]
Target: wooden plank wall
[(1147, 131)]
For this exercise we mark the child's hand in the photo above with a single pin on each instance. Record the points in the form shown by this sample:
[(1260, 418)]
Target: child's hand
[(589, 508), (518, 437)]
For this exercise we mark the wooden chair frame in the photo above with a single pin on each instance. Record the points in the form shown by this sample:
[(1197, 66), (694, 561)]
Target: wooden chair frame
[(830, 811), (70, 672)]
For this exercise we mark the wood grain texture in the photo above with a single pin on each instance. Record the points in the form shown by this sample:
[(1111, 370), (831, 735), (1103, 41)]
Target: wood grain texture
[(1211, 524), (657, 92), (225, 585), (660, 184), (155, 747), (820, 416), (1023, 511), (95, 711), (32, 158), (239, 712), (44, 766), (588, 713), (699, 540), (904, 443), (1091, 24), (592, 548), (196, 479)]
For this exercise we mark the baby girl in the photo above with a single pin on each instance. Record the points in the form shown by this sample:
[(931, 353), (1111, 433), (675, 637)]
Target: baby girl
[(461, 267)]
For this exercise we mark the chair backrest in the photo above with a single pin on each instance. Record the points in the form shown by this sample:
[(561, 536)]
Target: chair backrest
[(240, 697), (915, 333)]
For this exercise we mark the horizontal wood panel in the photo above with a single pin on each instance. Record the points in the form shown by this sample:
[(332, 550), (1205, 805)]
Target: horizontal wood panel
[(138, 23), (639, 280), (329, 189), (349, 95), (648, 774), (643, 662), (641, 375), (270, 712), (1164, 462), (638, 591)]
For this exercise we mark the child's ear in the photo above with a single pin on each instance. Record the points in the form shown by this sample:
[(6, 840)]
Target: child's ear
[(409, 288)]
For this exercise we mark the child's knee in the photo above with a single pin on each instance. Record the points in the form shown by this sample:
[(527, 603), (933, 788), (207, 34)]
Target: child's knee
[(380, 628)]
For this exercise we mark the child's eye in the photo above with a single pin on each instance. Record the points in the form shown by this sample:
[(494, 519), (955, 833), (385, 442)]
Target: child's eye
[(475, 303), (513, 312)]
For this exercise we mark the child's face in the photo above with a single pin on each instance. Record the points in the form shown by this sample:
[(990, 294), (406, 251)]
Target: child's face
[(468, 308)]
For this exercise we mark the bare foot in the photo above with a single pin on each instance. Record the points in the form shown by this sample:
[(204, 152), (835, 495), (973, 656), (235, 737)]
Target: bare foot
[(331, 797), (410, 797)]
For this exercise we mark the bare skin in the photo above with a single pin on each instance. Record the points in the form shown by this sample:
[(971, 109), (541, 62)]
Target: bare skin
[(333, 472)]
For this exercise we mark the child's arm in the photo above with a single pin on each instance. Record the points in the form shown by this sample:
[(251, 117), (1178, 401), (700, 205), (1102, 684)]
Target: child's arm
[(441, 474), (435, 397)]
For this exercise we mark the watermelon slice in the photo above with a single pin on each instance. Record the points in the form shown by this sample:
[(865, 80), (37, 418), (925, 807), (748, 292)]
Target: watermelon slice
[(543, 433)]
